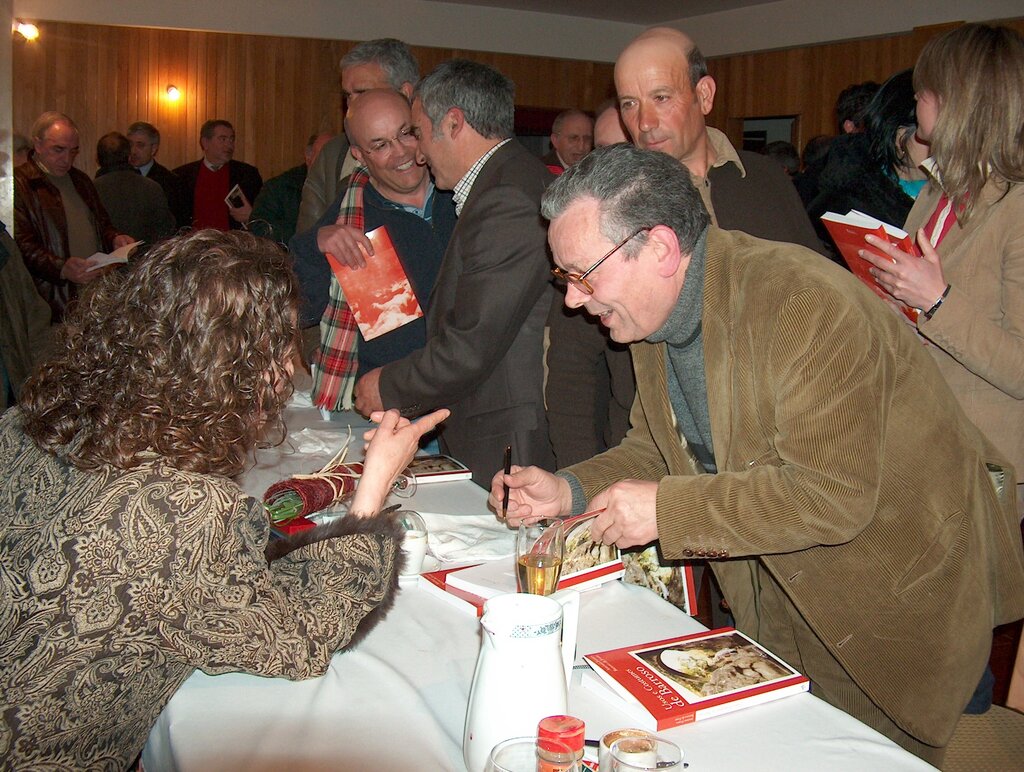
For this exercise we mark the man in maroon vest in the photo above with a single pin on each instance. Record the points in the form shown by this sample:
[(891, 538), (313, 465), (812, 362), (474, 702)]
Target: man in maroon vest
[(208, 181)]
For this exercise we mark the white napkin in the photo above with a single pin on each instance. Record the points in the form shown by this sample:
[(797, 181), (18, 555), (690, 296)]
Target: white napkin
[(300, 399), (318, 441), (474, 537)]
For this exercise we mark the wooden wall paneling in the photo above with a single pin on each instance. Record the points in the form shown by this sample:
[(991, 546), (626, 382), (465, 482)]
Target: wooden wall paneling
[(276, 91)]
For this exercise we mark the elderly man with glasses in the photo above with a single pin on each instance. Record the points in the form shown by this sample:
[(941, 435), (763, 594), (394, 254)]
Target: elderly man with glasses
[(785, 429), (391, 188)]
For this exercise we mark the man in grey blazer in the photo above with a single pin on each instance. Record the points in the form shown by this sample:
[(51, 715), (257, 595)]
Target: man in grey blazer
[(485, 318)]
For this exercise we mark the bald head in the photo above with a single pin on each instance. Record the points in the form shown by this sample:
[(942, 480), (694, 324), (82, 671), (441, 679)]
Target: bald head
[(361, 112), (664, 93), (608, 128), (379, 127)]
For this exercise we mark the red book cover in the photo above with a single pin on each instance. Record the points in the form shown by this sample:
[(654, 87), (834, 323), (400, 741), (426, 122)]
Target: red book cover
[(380, 295), (676, 681), (848, 232), (434, 583)]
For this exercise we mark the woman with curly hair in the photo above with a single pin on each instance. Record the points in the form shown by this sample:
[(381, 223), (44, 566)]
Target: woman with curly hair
[(969, 222), (127, 557)]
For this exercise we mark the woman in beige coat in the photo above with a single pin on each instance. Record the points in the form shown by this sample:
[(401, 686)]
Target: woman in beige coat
[(969, 221)]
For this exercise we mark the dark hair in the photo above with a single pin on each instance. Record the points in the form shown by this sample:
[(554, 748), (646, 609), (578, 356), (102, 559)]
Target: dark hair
[(565, 115), (182, 356), (151, 131), (485, 96), (206, 132), (113, 149), (891, 109), (784, 154), (697, 64), (636, 189), (815, 149), (393, 56), (852, 102)]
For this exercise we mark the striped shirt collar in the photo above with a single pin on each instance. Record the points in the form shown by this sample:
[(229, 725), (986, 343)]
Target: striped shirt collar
[(462, 188)]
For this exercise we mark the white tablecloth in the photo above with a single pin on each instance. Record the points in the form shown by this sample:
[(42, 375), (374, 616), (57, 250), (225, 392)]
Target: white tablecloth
[(398, 702)]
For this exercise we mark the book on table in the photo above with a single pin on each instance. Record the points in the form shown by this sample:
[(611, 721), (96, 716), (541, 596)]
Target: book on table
[(585, 564), (438, 468), (379, 294), (434, 583), (676, 681), (848, 232)]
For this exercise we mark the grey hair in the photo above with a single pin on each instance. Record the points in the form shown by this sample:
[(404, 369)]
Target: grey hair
[(48, 119), (635, 189), (393, 56), (485, 96), (151, 132)]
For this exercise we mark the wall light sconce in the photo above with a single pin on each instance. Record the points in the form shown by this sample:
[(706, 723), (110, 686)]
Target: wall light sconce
[(173, 93), (26, 29)]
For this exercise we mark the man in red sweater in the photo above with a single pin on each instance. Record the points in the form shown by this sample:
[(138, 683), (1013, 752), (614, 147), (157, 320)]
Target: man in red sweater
[(208, 181)]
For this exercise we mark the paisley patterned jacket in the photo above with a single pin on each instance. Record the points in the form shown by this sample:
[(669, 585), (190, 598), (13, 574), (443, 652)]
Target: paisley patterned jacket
[(115, 585)]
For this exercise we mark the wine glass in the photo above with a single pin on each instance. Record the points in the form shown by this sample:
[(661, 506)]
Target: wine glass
[(540, 549)]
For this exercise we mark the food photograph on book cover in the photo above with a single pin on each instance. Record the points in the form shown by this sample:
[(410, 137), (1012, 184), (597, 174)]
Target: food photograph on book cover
[(432, 465), (709, 667), (581, 552), (645, 568)]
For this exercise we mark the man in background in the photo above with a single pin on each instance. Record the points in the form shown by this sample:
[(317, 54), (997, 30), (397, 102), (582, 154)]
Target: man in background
[(277, 205), (371, 65), (582, 360), (207, 182), (572, 137), (145, 144), (608, 126), (25, 333), (485, 321), (59, 220), (136, 205), (851, 104)]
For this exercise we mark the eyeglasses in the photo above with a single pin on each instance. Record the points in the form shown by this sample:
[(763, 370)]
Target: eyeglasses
[(406, 137), (579, 280)]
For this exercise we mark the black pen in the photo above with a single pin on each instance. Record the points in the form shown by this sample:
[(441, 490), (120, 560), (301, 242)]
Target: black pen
[(508, 470)]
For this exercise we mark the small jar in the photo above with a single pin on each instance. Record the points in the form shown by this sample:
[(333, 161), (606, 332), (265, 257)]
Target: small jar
[(559, 743)]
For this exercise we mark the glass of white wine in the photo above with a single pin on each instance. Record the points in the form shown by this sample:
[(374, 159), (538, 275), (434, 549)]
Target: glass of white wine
[(540, 549)]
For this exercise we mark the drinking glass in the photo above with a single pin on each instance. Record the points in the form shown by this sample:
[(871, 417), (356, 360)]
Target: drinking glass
[(520, 755), (540, 549), (640, 754), (414, 545)]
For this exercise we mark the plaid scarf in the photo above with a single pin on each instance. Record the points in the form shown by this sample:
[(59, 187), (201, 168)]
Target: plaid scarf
[(336, 360)]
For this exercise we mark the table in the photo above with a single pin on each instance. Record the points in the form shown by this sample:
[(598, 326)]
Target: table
[(398, 701)]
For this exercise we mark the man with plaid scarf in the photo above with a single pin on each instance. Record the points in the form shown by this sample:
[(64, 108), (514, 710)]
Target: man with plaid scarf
[(389, 188)]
